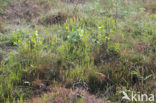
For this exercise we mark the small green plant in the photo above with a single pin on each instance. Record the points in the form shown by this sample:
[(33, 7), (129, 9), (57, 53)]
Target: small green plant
[(4, 3), (75, 35), (139, 76), (33, 40), (103, 36)]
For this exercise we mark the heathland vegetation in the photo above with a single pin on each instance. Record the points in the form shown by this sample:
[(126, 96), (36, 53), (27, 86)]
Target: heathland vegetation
[(76, 51)]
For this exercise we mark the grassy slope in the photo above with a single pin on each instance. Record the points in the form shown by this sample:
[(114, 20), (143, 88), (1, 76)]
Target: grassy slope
[(110, 46)]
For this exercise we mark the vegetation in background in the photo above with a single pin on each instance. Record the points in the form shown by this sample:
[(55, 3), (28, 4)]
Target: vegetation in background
[(86, 48)]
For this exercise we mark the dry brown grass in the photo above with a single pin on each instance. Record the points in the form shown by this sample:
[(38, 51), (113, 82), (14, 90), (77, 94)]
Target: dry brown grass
[(2, 24), (53, 19), (25, 9), (74, 1), (150, 5), (59, 17), (141, 46), (62, 95)]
